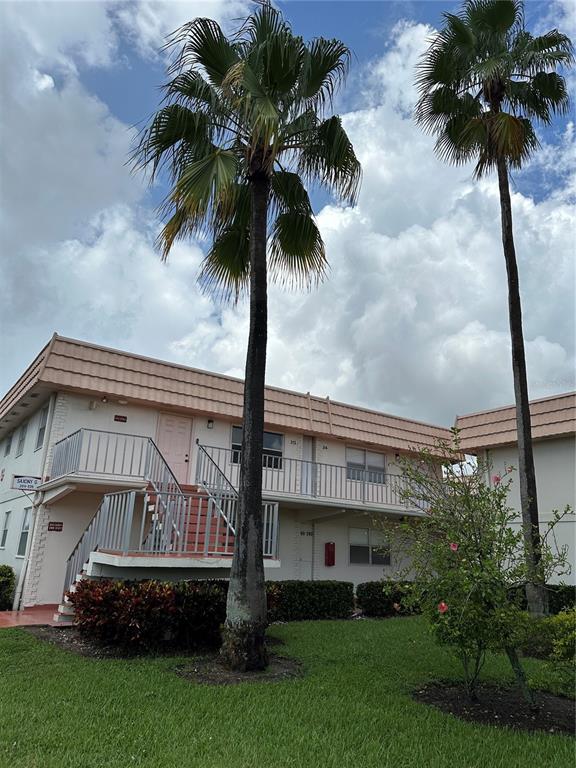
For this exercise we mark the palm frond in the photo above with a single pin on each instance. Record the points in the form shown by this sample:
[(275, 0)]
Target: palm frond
[(225, 271), (297, 255), (328, 157), (325, 66), (203, 44), (174, 131)]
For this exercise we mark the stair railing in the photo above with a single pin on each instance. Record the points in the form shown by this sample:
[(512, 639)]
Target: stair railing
[(110, 528)]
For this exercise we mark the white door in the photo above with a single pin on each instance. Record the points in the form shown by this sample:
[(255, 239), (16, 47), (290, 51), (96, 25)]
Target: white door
[(304, 555), (174, 439)]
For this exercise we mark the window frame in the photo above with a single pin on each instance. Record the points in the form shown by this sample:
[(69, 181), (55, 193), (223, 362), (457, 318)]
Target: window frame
[(26, 520), (8, 444), (272, 458), (43, 423), (360, 473), (370, 546), (4, 529), (22, 433)]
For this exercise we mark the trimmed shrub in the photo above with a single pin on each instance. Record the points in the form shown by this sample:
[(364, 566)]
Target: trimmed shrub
[(386, 598), (560, 597), (302, 600), (151, 614), (7, 587)]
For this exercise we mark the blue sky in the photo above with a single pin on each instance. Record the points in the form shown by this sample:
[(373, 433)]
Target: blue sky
[(412, 319)]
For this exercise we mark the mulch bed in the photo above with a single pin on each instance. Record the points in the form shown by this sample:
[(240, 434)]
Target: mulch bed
[(70, 639), (210, 671), (504, 707)]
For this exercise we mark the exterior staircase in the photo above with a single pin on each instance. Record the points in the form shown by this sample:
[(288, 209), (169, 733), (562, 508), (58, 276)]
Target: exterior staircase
[(164, 520)]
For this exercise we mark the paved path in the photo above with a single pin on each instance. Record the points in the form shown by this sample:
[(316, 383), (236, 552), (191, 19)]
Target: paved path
[(43, 614)]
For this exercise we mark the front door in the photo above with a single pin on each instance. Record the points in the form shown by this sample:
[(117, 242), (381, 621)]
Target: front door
[(174, 438)]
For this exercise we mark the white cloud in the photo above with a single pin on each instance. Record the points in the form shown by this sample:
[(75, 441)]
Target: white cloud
[(148, 22), (413, 316)]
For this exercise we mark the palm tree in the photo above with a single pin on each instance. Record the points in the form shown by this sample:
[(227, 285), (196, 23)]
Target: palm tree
[(243, 129), (483, 82)]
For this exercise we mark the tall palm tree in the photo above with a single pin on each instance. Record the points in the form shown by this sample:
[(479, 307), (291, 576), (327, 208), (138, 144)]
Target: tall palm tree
[(484, 81), (244, 128)]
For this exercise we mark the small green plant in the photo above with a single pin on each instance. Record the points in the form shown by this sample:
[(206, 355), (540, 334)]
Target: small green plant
[(466, 556), (7, 587)]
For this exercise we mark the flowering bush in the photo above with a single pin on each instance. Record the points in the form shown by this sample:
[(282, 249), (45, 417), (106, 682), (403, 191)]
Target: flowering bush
[(466, 557)]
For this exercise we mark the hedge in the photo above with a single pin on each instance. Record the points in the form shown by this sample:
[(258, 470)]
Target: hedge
[(560, 597), (384, 598), (302, 600), (153, 614), (7, 587)]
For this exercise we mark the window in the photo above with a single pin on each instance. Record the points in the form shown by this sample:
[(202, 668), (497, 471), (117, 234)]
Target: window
[(8, 444), (24, 532), (368, 547), (4, 531), (21, 439), (42, 427), (271, 452), (365, 465)]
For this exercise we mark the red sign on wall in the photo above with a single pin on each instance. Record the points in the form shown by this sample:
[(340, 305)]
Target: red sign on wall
[(123, 419), (54, 526)]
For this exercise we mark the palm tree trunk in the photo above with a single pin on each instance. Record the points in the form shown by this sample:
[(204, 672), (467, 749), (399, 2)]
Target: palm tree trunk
[(244, 646), (535, 589)]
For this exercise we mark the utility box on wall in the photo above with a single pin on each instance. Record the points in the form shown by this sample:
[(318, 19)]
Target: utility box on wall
[(329, 553)]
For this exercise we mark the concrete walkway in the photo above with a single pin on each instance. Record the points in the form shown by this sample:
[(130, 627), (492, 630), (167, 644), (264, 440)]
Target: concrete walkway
[(42, 614)]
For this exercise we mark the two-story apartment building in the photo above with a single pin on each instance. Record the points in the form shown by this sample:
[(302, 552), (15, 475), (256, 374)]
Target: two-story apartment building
[(116, 464), (492, 435)]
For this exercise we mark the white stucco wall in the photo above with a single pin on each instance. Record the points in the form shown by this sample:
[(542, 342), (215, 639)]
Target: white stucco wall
[(30, 463), (555, 464)]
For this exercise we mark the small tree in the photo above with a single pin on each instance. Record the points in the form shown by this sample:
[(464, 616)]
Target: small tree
[(467, 558)]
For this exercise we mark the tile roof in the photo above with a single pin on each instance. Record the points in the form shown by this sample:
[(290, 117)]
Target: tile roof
[(551, 417), (72, 365)]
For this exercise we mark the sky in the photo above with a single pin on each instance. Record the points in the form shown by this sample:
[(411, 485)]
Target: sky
[(412, 319)]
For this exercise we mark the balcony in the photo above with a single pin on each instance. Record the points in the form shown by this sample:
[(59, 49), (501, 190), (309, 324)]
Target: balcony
[(105, 461), (284, 478)]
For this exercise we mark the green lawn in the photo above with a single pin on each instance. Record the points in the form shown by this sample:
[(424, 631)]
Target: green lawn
[(352, 708)]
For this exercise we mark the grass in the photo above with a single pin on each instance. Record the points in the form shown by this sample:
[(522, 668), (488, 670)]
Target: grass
[(352, 708)]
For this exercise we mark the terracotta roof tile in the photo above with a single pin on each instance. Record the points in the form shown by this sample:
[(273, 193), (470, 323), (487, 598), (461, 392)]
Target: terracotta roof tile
[(78, 366), (551, 417)]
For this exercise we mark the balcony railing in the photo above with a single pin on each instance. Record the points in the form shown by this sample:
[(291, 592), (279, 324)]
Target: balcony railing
[(94, 452), (133, 523), (310, 479)]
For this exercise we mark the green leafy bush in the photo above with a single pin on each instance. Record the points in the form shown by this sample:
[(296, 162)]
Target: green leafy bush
[(563, 628), (387, 598), (7, 587), (560, 597), (151, 614), (301, 600), (466, 555)]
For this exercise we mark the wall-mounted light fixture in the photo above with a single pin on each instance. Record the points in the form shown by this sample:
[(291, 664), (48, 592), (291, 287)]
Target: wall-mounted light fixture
[(210, 424), (104, 399)]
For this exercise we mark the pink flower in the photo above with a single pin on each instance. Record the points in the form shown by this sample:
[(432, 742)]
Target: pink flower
[(396, 606), (442, 607), (454, 546), (496, 479)]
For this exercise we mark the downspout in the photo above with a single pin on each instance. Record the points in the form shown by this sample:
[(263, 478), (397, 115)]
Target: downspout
[(24, 570), (313, 548)]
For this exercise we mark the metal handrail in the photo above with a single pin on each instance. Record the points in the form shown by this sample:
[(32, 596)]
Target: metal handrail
[(316, 480)]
